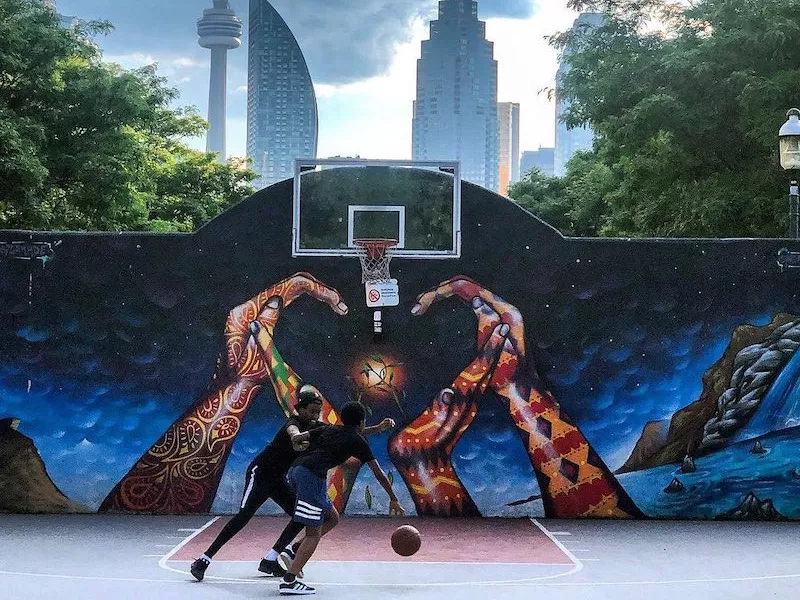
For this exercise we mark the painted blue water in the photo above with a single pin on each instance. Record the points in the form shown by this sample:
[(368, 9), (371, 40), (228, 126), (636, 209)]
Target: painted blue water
[(723, 479), (780, 407)]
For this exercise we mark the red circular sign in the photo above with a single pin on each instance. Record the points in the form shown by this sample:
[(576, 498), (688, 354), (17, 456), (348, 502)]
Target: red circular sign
[(374, 295)]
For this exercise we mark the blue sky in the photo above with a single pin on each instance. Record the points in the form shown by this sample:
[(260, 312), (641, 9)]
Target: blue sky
[(362, 57)]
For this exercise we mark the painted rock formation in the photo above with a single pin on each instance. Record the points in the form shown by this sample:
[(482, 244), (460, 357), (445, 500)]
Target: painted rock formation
[(753, 509), (25, 486), (732, 391)]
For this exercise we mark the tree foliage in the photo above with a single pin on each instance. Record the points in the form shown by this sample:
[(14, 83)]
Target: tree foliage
[(86, 145), (686, 100)]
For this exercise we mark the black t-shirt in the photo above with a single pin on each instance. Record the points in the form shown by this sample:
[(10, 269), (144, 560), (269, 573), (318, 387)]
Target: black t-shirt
[(332, 445), (278, 456)]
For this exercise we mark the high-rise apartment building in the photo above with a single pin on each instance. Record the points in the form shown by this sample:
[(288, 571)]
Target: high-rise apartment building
[(508, 144), (281, 104), (570, 141), (542, 159), (455, 113)]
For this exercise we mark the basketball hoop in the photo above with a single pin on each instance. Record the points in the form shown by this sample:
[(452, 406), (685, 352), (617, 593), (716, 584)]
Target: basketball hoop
[(375, 254)]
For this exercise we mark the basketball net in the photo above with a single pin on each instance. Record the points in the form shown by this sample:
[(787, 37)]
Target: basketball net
[(375, 255)]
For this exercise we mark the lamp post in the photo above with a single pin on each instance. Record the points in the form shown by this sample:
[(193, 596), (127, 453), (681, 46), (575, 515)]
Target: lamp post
[(790, 161)]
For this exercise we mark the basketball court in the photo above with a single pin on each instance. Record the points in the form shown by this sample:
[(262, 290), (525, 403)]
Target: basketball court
[(135, 557), (116, 557)]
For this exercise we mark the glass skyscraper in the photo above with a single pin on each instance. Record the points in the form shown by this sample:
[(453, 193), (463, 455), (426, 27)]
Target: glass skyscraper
[(281, 104), (570, 141), (455, 113)]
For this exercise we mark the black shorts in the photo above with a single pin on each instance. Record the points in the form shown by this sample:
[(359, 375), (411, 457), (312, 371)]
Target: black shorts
[(262, 483)]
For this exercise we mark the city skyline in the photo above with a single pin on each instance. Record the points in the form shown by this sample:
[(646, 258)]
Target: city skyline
[(365, 85)]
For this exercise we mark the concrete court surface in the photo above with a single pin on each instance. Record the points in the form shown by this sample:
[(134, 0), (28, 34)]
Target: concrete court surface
[(136, 557)]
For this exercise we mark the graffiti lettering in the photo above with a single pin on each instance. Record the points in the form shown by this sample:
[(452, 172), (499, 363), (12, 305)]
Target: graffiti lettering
[(28, 250), (788, 259)]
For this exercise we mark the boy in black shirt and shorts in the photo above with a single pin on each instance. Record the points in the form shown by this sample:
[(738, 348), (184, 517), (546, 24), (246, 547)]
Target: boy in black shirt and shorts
[(330, 446), (265, 479)]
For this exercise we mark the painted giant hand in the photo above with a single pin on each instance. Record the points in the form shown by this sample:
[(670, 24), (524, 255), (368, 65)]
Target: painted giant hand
[(181, 472), (574, 480)]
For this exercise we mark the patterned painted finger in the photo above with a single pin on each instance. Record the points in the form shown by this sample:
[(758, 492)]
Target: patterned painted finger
[(475, 377), (467, 289), (301, 284), (488, 319)]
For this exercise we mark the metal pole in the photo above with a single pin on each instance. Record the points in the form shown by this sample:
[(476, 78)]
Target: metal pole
[(794, 201)]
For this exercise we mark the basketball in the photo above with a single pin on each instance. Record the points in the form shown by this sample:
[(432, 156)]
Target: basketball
[(406, 540)]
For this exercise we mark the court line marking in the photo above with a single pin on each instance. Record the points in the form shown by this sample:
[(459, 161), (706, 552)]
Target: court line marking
[(461, 583), (577, 565), (189, 538), (399, 562), (560, 533)]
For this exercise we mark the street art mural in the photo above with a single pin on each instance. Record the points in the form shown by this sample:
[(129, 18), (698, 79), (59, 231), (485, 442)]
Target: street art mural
[(535, 375)]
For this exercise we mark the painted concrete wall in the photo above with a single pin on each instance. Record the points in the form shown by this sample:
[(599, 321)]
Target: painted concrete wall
[(604, 378)]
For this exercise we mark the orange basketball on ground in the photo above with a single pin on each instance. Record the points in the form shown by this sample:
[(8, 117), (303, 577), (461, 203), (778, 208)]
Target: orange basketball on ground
[(406, 540)]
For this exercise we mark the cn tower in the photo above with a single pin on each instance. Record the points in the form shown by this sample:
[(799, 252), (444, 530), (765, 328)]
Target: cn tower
[(219, 30)]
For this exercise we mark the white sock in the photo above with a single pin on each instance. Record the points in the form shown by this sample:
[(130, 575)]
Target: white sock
[(206, 557), (271, 555)]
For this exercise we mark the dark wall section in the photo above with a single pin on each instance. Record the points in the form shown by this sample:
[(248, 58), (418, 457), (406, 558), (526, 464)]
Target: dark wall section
[(109, 349)]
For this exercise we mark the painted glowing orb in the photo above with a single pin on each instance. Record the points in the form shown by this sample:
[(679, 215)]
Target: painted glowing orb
[(379, 376)]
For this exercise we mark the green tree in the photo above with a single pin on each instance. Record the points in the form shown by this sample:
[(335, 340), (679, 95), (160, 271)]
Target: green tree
[(685, 115), (574, 204), (86, 145)]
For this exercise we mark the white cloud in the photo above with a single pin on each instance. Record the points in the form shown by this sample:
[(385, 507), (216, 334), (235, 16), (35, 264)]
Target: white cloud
[(130, 61), (186, 62)]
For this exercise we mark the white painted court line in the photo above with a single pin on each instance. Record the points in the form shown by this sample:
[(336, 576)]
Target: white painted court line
[(163, 562), (560, 533), (576, 566), (519, 582), (397, 562)]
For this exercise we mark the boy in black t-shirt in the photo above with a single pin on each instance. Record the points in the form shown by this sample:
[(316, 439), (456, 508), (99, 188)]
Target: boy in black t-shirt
[(330, 446), (265, 479)]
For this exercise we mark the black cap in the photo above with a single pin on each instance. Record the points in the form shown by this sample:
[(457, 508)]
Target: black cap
[(308, 395)]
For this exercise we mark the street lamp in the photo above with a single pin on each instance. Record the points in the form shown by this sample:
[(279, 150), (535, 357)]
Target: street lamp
[(790, 161)]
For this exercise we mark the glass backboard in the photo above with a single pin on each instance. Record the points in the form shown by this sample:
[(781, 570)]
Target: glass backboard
[(339, 200)]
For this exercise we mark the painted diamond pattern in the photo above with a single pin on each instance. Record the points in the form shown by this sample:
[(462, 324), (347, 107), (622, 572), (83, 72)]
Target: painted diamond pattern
[(544, 427), (569, 470)]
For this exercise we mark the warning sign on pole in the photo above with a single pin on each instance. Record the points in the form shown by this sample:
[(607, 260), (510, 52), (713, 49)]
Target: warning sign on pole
[(382, 294)]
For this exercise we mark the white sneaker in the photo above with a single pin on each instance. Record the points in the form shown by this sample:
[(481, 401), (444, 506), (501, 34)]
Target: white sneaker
[(296, 588)]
